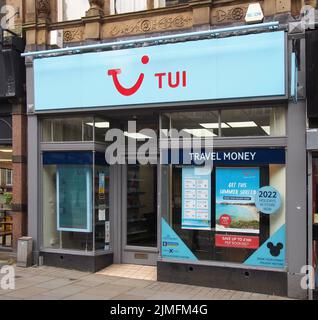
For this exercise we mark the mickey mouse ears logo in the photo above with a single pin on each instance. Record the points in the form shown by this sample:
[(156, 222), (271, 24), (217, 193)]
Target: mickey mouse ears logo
[(275, 250)]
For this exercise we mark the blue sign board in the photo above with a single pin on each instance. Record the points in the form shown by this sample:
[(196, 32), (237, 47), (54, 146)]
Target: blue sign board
[(246, 66), (234, 156), (196, 198)]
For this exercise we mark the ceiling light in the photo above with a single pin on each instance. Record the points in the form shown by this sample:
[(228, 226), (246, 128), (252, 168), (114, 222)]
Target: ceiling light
[(243, 124), (213, 125), (200, 132), (5, 160), (137, 136), (267, 129), (6, 150), (100, 125)]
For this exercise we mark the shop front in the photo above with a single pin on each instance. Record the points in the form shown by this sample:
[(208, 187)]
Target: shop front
[(12, 160), (119, 177)]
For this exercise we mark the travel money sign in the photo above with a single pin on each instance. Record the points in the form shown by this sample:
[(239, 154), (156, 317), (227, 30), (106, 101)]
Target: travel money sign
[(249, 66)]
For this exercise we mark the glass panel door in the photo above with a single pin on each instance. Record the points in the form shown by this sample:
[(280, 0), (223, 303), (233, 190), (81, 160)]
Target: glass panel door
[(140, 221), (315, 217), (142, 206)]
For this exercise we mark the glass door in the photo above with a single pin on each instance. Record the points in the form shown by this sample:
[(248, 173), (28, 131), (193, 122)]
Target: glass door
[(315, 218), (140, 215)]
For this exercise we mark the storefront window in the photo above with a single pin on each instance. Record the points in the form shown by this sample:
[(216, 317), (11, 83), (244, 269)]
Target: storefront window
[(231, 122), (253, 122), (5, 196), (231, 213), (67, 200), (196, 124), (101, 126), (315, 217), (102, 216), (67, 129), (74, 189)]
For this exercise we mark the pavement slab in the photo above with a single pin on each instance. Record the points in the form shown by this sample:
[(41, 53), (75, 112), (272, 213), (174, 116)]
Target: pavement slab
[(48, 283)]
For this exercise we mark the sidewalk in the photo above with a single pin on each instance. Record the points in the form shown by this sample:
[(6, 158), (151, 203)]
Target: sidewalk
[(48, 283)]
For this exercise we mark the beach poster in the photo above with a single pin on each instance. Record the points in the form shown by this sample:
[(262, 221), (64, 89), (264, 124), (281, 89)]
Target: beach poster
[(235, 210)]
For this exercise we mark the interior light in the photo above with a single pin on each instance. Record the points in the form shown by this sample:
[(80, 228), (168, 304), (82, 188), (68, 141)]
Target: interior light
[(267, 129), (6, 150), (100, 125), (243, 124), (5, 160), (200, 132), (213, 125), (137, 135)]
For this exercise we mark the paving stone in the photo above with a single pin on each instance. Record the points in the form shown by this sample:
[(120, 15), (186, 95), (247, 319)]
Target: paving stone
[(107, 290), (48, 283), (128, 297), (54, 284), (65, 291), (83, 296), (26, 292)]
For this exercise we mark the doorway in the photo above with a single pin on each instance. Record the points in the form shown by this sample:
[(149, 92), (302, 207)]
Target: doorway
[(139, 215)]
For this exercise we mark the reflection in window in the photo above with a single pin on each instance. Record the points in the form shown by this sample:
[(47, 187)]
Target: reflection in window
[(67, 129), (230, 122), (72, 10), (253, 122)]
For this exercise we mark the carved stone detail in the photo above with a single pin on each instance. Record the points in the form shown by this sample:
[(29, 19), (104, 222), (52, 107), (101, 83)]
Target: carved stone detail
[(229, 14), (96, 8), (73, 34), (152, 24), (43, 9)]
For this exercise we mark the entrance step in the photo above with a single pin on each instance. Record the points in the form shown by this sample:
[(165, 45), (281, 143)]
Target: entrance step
[(7, 257), (131, 271)]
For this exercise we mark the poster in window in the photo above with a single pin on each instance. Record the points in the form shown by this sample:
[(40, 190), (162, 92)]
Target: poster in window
[(235, 210), (74, 198), (196, 198)]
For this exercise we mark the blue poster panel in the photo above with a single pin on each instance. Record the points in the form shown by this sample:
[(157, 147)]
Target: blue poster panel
[(196, 198), (172, 246), (74, 198), (236, 189)]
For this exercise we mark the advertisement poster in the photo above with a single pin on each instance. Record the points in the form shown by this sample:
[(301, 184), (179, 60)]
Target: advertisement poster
[(236, 241), (172, 245), (196, 198), (236, 189), (272, 252)]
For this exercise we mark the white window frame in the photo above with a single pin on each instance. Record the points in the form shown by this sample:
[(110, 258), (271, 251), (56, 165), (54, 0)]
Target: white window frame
[(61, 13), (9, 174)]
